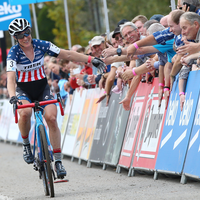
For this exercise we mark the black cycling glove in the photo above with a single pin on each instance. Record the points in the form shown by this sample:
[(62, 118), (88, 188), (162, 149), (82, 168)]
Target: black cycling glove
[(13, 100), (99, 64)]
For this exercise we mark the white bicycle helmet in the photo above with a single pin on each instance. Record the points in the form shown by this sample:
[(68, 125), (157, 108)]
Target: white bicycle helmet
[(18, 25)]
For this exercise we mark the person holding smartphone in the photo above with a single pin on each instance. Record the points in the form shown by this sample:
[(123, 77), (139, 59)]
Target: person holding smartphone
[(188, 5)]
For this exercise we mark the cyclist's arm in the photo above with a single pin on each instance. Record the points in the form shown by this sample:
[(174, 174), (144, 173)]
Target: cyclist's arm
[(73, 56), (11, 83)]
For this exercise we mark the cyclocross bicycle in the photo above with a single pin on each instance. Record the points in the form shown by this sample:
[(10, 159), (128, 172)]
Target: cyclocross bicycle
[(43, 160)]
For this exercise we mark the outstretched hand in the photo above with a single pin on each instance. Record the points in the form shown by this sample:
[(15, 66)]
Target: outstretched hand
[(131, 51), (166, 95), (127, 75), (101, 98), (126, 103), (99, 64), (182, 101), (160, 96), (189, 48), (110, 51)]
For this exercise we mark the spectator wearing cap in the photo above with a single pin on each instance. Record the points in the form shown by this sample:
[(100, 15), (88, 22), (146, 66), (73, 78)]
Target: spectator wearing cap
[(157, 17), (139, 21), (112, 41), (117, 34), (97, 45)]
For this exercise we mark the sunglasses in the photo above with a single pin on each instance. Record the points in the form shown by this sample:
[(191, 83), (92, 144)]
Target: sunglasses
[(118, 38), (22, 35)]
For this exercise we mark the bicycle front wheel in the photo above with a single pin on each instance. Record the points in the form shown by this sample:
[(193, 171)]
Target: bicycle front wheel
[(48, 178)]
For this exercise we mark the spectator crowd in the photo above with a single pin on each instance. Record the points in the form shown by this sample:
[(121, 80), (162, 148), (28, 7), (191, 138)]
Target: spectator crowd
[(137, 50)]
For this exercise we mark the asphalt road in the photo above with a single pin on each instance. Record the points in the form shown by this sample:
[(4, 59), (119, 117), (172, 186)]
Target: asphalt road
[(18, 181)]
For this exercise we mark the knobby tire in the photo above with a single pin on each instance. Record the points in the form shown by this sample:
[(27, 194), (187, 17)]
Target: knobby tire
[(47, 163)]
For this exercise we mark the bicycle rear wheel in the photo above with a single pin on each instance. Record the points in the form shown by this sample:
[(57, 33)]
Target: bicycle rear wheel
[(47, 176)]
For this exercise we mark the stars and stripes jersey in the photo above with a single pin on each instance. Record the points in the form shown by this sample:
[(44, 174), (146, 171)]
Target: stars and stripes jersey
[(26, 70)]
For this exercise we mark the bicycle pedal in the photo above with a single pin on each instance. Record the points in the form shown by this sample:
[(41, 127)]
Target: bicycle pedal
[(35, 166)]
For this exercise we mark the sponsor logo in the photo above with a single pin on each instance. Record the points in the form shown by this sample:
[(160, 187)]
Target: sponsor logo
[(12, 12), (34, 65), (37, 52), (197, 116), (187, 111), (172, 112)]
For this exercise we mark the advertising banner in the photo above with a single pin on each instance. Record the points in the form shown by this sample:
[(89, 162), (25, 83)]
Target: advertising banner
[(65, 119), (20, 2), (74, 120), (177, 128), (82, 125), (9, 12), (151, 131), (5, 112), (192, 162), (102, 131), (116, 133), (91, 125), (134, 124)]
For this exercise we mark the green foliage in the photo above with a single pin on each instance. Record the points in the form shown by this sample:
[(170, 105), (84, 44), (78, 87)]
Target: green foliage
[(128, 9), (87, 19), (79, 35), (45, 24)]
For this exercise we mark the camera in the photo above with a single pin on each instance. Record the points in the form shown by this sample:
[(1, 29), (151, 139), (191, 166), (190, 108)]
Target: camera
[(191, 9)]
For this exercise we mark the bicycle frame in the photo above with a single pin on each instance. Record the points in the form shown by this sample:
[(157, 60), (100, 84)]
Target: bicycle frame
[(38, 122), (43, 162)]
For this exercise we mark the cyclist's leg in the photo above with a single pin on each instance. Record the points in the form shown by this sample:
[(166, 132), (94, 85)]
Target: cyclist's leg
[(54, 132), (24, 124), (55, 138), (51, 119)]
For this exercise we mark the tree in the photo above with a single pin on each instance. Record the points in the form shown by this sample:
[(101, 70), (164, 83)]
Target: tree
[(86, 17), (45, 24)]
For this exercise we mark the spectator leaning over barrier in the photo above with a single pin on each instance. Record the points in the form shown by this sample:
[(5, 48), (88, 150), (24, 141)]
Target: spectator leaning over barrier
[(165, 53), (97, 46), (189, 47), (164, 21), (161, 37), (139, 21), (190, 25), (109, 80), (25, 67), (147, 24), (130, 32), (116, 67)]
